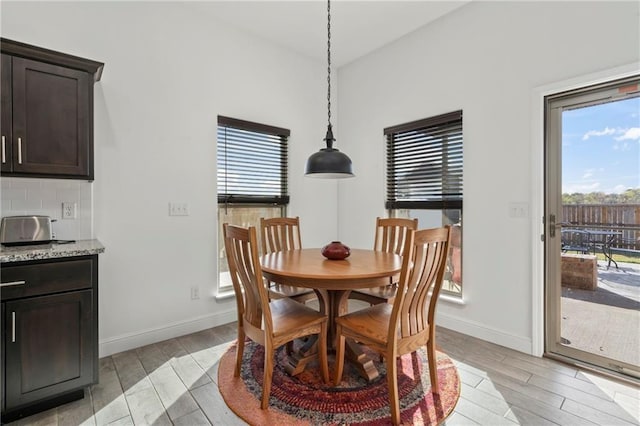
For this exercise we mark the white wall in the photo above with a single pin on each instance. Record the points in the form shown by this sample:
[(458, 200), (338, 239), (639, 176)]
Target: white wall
[(486, 58), (168, 73)]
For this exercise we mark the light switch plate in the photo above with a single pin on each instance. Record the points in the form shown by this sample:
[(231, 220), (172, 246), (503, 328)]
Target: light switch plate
[(178, 209), (518, 210)]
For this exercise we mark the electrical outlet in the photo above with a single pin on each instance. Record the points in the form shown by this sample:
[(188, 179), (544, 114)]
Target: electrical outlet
[(178, 209), (68, 210), (195, 293)]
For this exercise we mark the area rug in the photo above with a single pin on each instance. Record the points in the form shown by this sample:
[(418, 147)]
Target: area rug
[(306, 400)]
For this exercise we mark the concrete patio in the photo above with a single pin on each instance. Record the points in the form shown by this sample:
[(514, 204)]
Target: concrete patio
[(605, 321)]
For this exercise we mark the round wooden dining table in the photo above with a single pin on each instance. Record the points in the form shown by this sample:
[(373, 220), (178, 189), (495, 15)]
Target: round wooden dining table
[(332, 281)]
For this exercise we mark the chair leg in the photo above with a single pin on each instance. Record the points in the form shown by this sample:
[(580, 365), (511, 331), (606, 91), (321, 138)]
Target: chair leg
[(322, 355), (239, 352), (339, 365), (289, 347), (268, 375), (392, 383), (433, 365)]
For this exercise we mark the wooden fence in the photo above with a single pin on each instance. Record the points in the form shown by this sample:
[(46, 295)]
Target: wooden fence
[(623, 218)]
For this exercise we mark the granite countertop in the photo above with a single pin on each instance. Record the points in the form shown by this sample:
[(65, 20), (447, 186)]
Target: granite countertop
[(50, 251)]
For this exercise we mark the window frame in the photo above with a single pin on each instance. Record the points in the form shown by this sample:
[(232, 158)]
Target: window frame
[(228, 201), (448, 199)]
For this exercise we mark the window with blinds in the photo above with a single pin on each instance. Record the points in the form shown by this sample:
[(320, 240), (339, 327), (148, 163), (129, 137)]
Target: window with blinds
[(252, 180), (424, 181), (252, 163), (424, 163)]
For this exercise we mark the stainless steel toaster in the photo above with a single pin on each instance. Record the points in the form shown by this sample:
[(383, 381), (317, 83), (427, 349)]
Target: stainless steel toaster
[(19, 230)]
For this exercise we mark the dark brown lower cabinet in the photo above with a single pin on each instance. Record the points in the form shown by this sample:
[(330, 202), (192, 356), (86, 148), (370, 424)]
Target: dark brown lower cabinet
[(50, 350)]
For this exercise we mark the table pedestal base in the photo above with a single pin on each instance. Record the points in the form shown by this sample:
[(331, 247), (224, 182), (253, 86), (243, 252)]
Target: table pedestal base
[(333, 303)]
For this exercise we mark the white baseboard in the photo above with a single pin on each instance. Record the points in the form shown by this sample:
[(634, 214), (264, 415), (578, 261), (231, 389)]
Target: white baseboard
[(140, 338), (480, 331)]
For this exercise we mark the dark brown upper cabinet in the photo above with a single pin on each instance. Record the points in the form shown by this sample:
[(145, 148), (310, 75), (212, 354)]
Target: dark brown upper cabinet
[(47, 112)]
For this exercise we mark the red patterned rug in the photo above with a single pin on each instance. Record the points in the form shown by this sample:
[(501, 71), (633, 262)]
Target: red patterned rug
[(306, 400)]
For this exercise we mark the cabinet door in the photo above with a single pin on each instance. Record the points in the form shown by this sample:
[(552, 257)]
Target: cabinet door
[(48, 344), (51, 119), (5, 113)]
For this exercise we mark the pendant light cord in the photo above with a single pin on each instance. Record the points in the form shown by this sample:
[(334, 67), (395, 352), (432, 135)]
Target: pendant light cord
[(329, 62)]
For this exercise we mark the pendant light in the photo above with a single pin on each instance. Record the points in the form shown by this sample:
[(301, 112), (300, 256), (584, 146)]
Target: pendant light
[(329, 163)]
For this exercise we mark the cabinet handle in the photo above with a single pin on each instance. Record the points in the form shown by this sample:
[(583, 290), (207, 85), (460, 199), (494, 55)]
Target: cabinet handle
[(19, 150), (13, 327), (4, 152), (10, 283)]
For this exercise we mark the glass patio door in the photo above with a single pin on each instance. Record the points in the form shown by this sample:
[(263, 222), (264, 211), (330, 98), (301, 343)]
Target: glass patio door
[(592, 221)]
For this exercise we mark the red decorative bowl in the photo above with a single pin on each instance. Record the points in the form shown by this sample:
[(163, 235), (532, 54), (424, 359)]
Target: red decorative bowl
[(336, 251)]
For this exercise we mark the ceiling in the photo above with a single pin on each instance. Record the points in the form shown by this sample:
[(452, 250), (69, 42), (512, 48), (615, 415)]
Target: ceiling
[(357, 27)]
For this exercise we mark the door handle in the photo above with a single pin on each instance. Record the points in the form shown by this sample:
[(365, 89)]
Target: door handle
[(19, 150), (4, 152), (10, 283), (13, 327), (553, 225)]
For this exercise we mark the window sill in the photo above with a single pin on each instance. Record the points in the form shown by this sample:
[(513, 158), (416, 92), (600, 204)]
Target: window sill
[(225, 295), (452, 299)]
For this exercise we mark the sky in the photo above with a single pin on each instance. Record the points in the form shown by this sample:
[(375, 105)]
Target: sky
[(601, 148)]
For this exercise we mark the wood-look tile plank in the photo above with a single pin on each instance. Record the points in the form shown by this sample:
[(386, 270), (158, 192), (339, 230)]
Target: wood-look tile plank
[(492, 402), (172, 392), (537, 369), (578, 384), (201, 340), (457, 419), (629, 404), (480, 414), (151, 357), (548, 363), (190, 372), (495, 384), (524, 417), (609, 386), (546, 411), (109, 403), (196, 418), (214, 407), (125, 421), (77, 413), (131, 373), (469, 378), (600, 403), (595, 415), (495, 365), (209, 360), (146, 408)]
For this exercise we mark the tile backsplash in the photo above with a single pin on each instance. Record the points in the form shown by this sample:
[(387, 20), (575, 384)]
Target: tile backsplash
[(32, 196)]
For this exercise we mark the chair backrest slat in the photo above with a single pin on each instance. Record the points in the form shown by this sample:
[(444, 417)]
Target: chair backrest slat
[(423, 267), (391, 234), (280, 233), (241, 245)]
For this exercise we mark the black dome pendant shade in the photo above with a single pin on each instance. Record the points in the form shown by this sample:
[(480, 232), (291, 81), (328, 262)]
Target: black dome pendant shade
[(329, 163)]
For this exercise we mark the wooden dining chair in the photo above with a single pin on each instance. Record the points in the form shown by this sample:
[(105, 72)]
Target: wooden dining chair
[(268, 323), (391, 234), (396, 329), (278, 234)]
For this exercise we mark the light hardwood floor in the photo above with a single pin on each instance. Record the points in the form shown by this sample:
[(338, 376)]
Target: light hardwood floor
[(174, 382)]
